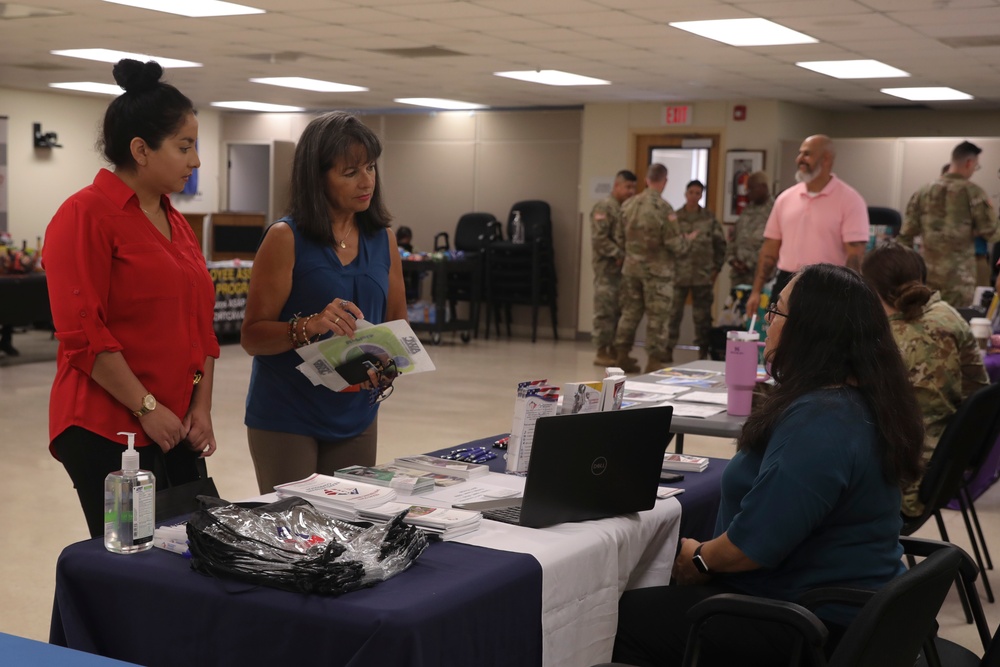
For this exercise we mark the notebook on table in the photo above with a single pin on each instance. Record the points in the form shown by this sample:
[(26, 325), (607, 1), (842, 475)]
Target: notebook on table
[(588, 466)]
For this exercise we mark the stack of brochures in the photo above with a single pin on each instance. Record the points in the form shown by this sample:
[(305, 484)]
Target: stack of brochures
[(443, 466), (444, 523), (684, 462), (339, 498), (407, 481)]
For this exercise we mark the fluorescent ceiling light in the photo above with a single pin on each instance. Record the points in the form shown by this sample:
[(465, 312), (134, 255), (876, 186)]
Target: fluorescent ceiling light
[(928, 94), (309, 84), (89, 87), (256, 106), (553, 77), (193, 8), (439, 103), (110, 56), (745, 32), (854, 69)]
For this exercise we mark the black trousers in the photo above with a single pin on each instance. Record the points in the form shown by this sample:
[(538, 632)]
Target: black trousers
[(653, 631), (780, 281), (88, 458)]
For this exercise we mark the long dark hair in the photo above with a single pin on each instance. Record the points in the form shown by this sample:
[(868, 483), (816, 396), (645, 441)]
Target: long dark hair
[(326, 140), (148, 109), (897, 274), (836, 333)]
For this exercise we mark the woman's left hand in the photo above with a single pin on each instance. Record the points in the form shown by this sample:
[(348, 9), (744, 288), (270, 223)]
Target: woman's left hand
[(201, 436), (685, 573)]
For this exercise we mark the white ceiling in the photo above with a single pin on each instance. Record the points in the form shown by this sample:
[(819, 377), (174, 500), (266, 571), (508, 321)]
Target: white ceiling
[(625, 41)]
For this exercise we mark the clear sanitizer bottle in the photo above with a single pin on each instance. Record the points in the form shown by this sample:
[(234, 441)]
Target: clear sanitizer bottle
[(518, 228), (129, 505)]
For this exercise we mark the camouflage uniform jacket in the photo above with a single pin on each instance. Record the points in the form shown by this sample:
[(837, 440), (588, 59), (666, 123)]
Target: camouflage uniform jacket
[(707, 252), (651, 236), (605, 219), (943, 359), (748, 236), (949, 214)]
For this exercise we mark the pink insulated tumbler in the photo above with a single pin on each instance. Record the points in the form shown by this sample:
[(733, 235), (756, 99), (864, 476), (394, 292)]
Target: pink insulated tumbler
[(741, 370)]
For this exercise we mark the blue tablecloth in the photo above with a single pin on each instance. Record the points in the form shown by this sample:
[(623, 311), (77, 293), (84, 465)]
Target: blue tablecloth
[(152, 609), (27, 652)]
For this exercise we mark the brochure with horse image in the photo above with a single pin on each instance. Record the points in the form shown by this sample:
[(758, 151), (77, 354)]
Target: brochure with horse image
[(411, 483), (588, 466), (436, 464)]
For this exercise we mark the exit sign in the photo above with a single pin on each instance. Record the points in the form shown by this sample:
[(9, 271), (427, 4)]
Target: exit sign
[(677, 115)]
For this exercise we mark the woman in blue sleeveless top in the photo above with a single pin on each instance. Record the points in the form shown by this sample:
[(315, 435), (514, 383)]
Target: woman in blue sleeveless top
[(332, 261)]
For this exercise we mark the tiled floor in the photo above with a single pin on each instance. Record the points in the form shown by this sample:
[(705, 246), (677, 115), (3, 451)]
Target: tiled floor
[(469, 396)]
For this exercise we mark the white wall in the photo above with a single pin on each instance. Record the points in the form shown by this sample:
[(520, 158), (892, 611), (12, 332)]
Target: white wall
[(39, 180)]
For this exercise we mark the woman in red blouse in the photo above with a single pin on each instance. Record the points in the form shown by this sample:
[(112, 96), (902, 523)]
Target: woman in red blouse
[(132, 301)]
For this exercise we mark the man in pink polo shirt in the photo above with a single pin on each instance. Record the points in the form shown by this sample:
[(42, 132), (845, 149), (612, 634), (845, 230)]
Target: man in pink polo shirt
[(820, 219)]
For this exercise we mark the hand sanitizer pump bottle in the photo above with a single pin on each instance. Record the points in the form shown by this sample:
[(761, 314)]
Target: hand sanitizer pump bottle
[(129, 504), (518, 228)]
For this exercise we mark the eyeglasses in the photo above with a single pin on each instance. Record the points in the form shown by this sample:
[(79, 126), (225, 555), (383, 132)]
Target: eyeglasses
[(385, 373), (772, 311)]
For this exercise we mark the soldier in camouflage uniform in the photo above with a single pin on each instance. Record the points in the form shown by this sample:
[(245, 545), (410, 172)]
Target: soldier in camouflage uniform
[(937, 346), (651, 239), (748, 233), (696, 270), (948, 214), (608, 256)]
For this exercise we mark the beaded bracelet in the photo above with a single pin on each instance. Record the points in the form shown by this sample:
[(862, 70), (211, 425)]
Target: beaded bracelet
[(291, 329), (302, 332)]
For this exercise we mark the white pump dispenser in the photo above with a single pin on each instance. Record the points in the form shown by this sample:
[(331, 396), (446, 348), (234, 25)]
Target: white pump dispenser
[(129, 504)]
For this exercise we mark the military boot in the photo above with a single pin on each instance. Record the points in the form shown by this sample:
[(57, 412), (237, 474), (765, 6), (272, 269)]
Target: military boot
[(625, 362), (605, 357), (655, 363)]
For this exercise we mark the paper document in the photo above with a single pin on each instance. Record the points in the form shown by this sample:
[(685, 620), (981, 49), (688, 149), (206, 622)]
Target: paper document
[(391, 340), (653, 388), (704, 397), (695, 409)]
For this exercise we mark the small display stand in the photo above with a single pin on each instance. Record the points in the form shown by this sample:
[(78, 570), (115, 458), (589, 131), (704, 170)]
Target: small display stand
[(447, 273)]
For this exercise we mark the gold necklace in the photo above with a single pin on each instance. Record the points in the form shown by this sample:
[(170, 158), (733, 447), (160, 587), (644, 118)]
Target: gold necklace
[(148, 214), (343, 242)]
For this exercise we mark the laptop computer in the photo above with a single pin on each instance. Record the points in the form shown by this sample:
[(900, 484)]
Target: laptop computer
[(588, 466)]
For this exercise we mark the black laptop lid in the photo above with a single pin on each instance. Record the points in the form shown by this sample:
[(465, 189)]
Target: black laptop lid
[(594, 465)]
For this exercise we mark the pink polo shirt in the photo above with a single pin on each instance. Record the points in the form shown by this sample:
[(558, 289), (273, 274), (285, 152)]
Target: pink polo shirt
[(814, 228)]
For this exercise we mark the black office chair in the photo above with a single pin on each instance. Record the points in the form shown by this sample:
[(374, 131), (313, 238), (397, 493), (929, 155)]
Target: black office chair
[(974, 426), (887, 221), (523, 273), (946, 652), (888, 631)]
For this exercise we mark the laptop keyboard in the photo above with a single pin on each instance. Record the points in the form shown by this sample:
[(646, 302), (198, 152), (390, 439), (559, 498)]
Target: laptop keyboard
[(504, 514)]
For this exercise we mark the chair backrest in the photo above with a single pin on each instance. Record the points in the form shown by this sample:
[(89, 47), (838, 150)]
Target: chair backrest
[(536, 215), (889, 217), (973, 427), (475, 231), (890, 629)]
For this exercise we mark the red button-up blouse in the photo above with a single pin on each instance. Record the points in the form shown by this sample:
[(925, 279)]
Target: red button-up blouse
[(116, 284)]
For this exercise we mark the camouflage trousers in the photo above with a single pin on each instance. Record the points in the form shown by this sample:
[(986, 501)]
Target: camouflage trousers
[(607, 285), (701, 309), (958, 294), (651, 296)]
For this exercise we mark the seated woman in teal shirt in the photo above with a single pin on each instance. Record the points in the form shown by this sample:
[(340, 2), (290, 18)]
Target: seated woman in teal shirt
[(811, 498)]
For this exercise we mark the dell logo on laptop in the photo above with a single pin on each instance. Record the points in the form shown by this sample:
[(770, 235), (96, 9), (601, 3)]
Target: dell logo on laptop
[(599, 465)]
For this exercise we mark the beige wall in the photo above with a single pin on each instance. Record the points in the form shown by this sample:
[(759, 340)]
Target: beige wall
[(41, 179), (437, 166)]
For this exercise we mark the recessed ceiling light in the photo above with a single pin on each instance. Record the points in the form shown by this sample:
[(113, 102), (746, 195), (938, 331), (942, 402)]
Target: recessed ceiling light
[(89, 87), (929, 94), (302, 83), (854, 69), (553, 77), (439, 103), (193, 8), (745, 32), (110, 56), (256, 106)]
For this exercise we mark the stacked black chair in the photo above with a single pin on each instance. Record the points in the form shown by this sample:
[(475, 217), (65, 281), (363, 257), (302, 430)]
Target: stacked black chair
[(523, 273), (474, 233), (973, 427)]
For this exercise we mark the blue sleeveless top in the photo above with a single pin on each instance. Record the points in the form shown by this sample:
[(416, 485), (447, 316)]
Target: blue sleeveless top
[(281, 398)]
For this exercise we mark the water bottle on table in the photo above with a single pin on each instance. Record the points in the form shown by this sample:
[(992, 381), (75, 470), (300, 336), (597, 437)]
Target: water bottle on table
[(741, 370)]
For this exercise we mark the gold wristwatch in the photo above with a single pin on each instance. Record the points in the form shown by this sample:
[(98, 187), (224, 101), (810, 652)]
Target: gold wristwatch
[(148, 405)]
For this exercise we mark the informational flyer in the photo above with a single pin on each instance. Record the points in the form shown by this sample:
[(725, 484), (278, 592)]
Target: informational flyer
[(391, 340)]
